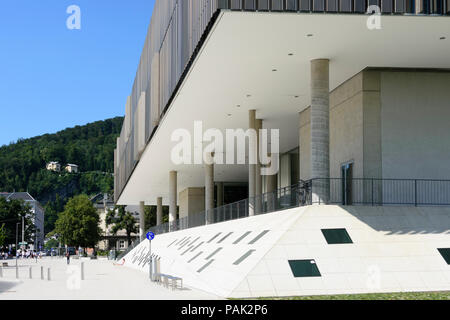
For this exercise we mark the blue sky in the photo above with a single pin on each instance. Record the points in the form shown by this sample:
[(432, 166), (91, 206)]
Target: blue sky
[(52, 78)]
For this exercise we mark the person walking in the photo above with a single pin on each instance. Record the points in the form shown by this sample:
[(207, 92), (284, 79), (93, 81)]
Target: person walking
[(68, 257)]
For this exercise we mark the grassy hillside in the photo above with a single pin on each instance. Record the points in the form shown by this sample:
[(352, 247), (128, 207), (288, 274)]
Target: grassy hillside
[(91, 147)]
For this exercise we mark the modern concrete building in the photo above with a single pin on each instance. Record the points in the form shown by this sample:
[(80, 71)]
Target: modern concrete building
[(359, 102), (37, 216)]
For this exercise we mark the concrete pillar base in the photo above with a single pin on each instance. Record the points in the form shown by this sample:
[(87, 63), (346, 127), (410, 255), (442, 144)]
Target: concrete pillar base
[(320, 130)]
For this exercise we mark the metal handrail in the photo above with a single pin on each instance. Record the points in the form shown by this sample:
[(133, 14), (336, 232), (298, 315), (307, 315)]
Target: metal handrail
[(355, 191)]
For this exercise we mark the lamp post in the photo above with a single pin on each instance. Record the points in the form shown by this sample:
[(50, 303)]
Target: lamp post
[(17, 240), (23, 234)]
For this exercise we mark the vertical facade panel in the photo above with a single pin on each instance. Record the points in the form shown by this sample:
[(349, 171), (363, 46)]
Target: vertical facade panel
[(422, 6), (387, 6), (250, 5), (318, 5), (263, 5), (291, 5), (236, 5), (277, 5), (410, 6), (345, 5), (305, 5), (436, 7), (332, 5), (359, 6), (400, 6)]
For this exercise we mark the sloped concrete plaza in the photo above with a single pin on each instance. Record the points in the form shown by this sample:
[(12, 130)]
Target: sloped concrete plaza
[(103, 280)]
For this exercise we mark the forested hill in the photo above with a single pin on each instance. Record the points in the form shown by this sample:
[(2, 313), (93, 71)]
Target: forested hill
[(91, 147)]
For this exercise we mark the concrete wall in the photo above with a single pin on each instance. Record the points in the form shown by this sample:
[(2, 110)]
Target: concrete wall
[(415, 124), (354, 128), (191, 201)]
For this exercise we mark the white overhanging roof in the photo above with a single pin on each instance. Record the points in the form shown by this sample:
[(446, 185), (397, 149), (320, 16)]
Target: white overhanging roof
[(235, 68)]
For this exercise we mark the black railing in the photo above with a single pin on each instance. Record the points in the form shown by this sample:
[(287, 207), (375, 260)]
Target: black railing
[(367, 192), (379, 192), (281, 199)]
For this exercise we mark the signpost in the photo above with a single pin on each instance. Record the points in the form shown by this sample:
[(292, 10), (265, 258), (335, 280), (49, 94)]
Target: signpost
[(150, 236)]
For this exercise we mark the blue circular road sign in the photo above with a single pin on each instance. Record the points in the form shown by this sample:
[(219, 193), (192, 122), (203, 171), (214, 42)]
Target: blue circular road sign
[(150, 236)]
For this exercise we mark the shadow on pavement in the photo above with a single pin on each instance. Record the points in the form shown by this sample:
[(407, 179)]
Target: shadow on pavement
[(6, 286)]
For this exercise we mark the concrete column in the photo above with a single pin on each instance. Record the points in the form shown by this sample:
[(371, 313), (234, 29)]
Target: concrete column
[(209, 188), (159, 210), (219, 194), (142, 220), (251, 167), (172, 197), (271, 187), (320, 130), (258, 177)]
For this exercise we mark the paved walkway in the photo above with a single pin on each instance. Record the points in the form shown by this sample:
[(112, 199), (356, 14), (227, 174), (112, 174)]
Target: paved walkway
[(103, 280)]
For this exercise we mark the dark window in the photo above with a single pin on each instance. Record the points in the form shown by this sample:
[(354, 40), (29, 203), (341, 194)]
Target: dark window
[(336, 236), (445, 253), (304, 268)]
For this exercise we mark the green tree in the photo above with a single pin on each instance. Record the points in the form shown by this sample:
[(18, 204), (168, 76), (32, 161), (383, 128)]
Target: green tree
[(52, 243), (11, 213), (2, 235), (150, 216), (120, 219), (78, 224)]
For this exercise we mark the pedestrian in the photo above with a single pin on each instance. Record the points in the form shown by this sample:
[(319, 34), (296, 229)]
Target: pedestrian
[(68, 257)]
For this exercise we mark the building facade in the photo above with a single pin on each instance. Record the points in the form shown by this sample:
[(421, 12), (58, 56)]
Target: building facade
[(109, 241), (37, 216), (341, 98), (53, 166), (71, 168), (346, 99)]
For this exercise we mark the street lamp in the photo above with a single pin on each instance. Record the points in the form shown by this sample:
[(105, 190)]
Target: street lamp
[(17, 240)]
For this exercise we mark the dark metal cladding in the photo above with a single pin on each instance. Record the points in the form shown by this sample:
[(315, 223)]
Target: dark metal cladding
[(387, 6), (332, 5)]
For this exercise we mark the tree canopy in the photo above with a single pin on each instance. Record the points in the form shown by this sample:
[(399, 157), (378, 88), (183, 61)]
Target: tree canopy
[(78, 224), (11, 213), (120, 219), (91, 147), (2, 235)]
